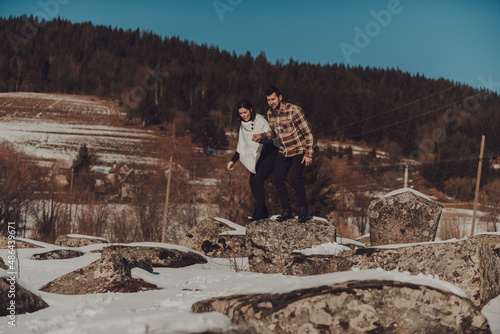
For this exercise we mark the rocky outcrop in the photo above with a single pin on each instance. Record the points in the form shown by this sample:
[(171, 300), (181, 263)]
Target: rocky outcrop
[(469, 264), (308, 265), (112, 273), (57, 254), (4, 243), (491, 240), (69, 240), (270, 243), (215, 238), (25, 300), (160, 257), (2, 264), (365, 240), (405, 217), (352, 307)]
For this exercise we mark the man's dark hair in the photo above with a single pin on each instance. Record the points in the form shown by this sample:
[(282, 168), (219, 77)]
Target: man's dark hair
[(272, 90)]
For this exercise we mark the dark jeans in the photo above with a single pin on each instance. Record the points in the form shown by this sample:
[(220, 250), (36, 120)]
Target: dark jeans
[(281, 168), (264, 169)]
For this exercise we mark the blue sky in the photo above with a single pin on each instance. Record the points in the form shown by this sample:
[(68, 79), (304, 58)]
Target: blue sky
[(454, 39)]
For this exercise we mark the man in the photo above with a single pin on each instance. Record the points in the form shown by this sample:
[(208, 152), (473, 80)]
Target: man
[(289, 125)]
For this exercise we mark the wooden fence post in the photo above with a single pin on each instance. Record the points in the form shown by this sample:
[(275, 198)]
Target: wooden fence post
[(165, 213)]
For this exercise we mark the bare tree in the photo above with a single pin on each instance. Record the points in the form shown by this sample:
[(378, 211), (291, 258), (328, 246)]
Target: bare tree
[(18, 178), (492, 196)]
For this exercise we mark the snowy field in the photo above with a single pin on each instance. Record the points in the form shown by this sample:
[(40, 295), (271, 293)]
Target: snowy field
[(52, 126), (168, 310)]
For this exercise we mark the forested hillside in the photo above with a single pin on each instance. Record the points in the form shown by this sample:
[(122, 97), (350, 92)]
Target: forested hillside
[(156, 79)]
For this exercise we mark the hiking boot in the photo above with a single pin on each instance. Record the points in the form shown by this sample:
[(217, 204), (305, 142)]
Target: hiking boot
[(303, 214), (260, 214), (266, 212), (285, 214)]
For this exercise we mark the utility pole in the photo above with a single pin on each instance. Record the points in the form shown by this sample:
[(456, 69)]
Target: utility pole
[(166, 202), (72, 175), (476, 196), (406, 163), (174, 137), (406, 176)]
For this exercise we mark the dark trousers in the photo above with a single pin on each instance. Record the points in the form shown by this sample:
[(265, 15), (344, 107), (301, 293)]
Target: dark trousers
[(264, 169), (281, 168)]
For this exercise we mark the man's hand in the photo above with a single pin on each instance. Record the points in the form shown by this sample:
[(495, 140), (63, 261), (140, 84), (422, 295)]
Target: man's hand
[(230, 165), (306, 160), (257, 137)]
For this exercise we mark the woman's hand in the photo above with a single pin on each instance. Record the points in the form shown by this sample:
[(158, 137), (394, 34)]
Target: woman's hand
[(230, 165), (257, 137)]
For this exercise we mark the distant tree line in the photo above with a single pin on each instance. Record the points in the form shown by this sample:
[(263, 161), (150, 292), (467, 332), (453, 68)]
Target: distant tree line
[(155, 78)]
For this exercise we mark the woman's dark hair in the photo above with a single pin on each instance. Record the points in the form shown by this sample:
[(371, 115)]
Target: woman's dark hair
[(247, 105)]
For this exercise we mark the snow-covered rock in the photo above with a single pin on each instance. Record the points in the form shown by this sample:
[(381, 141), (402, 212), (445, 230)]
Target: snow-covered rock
[(271, 244), (216, 237), (376, 306), (111, 273), (78, 240), (470, 264), (403, 217)]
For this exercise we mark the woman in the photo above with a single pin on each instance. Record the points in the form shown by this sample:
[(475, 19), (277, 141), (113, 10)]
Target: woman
[(257, 157)]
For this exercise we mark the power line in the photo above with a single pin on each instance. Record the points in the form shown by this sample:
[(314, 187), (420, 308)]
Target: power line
[(398, 164), (402, 106), (404, 120)]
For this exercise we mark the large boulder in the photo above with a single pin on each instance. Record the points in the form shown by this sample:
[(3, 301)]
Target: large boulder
[(112, 273), (491, 240), (4, 243), (469, 264), (160, 256), (270, 243), (374, 306), (216, 237), (76, 240), (57, 254), (25, 301), (404, 216)]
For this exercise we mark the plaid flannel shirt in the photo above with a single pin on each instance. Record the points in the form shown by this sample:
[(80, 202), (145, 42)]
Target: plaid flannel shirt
[(290, 126)]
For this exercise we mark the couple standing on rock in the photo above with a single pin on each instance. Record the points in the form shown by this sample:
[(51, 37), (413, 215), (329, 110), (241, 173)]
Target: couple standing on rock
[(279, 144)]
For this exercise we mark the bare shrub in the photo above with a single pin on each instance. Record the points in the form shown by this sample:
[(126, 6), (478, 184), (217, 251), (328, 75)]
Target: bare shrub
[(234, 198), (46, 219), (123, 225), (232, 251), (452, 225), (19, 178), (360, 225), (460, 188), (491, 195), (148, 204), (93, 219), (343, 226)]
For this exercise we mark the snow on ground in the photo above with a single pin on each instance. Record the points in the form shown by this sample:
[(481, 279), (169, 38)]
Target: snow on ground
[(402, 190), (54, 126), (355, 149), (55, 102), (169, 310), (58, 140)]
